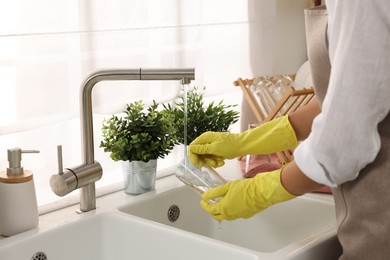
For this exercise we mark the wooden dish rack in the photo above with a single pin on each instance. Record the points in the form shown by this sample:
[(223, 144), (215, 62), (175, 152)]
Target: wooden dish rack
[(290, 102)]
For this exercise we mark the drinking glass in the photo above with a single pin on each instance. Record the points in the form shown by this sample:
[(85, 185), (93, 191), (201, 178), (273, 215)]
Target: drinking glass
[(199, 180)]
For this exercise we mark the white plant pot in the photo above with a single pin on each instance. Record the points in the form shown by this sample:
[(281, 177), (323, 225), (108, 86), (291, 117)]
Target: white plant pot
[(139, 177)]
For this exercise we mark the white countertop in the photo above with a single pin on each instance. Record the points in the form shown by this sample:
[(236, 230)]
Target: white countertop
[(112, 201)]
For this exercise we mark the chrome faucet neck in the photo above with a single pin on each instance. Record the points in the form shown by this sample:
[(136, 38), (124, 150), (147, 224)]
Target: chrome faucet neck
[(85, 175)]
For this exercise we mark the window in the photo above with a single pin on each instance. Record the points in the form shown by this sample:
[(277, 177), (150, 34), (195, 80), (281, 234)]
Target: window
[(47, 49)]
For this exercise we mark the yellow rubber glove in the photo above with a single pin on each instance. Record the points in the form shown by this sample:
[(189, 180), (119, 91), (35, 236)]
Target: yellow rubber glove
[(245, 198), (212, 148)]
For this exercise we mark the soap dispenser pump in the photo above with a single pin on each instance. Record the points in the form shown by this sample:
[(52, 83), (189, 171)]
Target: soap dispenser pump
[(18, 202)]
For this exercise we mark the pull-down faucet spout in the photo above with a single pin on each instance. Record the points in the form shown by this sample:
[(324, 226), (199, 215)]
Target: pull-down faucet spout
[(85, 175)]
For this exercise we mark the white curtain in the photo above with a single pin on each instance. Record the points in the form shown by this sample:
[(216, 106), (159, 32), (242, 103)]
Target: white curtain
[(48, 47)]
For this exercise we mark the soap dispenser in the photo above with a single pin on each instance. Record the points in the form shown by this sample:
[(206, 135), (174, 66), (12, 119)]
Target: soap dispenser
[(18, 202)]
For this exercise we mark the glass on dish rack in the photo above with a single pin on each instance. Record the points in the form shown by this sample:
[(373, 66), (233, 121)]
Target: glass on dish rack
[(260, 92), (268, 91), (282, 85)]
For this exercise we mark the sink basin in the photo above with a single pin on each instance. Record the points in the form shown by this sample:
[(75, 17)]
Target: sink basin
[(114, 235), (303, 228), (168, 223)]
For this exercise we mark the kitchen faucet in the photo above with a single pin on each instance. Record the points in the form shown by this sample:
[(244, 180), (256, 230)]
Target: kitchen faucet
[(85, 175)]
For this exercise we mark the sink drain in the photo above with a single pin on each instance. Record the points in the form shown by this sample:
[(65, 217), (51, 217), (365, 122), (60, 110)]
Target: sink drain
[(39, 256), (173, 213)]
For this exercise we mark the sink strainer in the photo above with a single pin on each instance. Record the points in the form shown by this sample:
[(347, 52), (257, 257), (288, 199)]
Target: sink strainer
[(173, 213), (39, 256)]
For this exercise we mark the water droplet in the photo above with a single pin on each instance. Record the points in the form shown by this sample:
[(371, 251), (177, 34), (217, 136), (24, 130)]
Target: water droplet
[(219, 226)]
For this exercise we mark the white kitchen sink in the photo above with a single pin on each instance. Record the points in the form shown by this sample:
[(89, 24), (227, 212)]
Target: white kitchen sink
[(140, 227), (113, 236), (303, 228)]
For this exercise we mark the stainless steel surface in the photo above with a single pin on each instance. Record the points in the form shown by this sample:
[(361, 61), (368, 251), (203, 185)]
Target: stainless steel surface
[(85, 175), (88, 197), (59, 158), (39, 256), (139, 177), (14, 161), (63, 184), (173, 213)]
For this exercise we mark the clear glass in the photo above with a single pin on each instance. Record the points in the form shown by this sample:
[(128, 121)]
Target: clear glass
[(268, 91), (282, 85), (198, 179), (260, 90)]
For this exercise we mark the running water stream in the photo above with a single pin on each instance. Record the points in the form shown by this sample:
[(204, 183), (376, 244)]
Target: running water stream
[(187, 165), (185, 123)]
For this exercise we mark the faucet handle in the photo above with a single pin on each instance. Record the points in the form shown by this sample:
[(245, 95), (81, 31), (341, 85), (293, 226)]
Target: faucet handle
[(59, 158)]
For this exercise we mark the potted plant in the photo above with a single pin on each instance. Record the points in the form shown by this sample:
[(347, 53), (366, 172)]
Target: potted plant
[(138, 139), (201, 118)]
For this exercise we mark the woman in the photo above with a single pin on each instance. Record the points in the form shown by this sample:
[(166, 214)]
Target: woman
[(345, 133)]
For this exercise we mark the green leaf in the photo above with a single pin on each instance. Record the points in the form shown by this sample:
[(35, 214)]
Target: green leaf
[(201, 117), (141, 134)]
